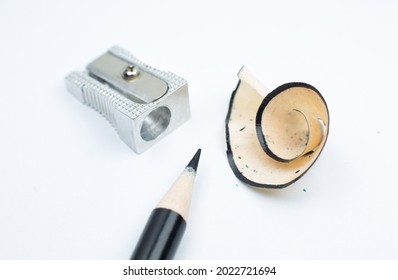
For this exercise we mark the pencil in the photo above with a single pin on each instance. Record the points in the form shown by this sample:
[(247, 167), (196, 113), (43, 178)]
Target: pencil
[(167, 222)]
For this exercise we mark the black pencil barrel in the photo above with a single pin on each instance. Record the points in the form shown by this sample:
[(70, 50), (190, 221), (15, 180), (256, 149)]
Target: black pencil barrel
[(161, 236)]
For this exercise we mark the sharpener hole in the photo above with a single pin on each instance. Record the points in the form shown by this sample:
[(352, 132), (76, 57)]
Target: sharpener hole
[(155, 123)]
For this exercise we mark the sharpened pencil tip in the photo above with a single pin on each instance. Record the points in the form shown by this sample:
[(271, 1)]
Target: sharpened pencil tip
[(195, 160)]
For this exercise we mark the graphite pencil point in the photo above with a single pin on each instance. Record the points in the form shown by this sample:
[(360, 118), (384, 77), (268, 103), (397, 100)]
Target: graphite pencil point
[(195, 160)]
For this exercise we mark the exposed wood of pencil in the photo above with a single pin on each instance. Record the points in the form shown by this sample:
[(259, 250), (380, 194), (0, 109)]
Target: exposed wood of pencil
[(178, 198)]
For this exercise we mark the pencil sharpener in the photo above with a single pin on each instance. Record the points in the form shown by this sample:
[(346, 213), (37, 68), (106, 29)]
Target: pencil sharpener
[(143, 104)]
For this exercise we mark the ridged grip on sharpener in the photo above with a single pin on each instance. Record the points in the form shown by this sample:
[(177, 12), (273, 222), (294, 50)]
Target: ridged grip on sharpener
[(94, 94)]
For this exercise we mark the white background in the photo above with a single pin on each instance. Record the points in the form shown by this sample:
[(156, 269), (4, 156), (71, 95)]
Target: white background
[(71, 189)]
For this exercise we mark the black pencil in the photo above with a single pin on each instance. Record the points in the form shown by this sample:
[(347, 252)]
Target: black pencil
[(166, 225)]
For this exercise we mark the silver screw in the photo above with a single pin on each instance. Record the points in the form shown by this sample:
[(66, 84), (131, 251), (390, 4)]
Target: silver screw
[(130, 73)]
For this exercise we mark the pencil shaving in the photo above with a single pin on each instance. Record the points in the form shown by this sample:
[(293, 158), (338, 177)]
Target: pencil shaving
[(274, 138)]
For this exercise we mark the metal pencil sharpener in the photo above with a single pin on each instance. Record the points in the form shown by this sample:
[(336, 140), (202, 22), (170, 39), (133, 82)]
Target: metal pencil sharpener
[(142, 103)]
